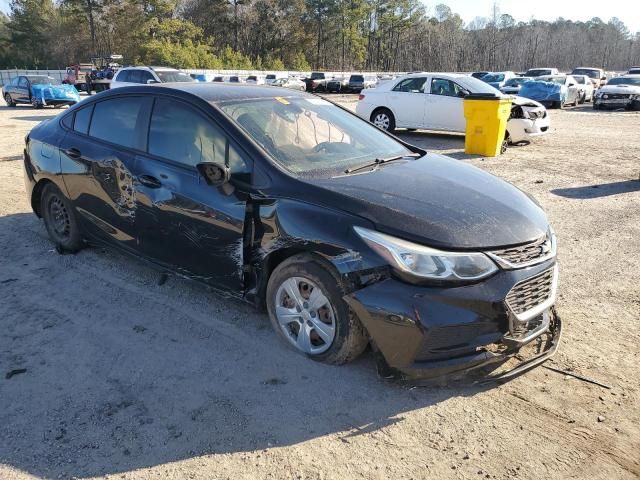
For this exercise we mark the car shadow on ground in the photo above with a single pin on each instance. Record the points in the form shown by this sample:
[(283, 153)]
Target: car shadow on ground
[(35, 118), (105, 371), (599, 190)]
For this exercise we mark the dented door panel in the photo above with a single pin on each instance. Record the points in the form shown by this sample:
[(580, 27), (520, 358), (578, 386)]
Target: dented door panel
[(99, 181), (189, 226)]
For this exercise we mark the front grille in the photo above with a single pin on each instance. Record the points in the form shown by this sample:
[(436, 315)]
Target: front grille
[(617, 96), (525, 254), (530, 292)]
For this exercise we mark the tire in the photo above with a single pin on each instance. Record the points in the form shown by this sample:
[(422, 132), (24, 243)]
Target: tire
[(9, 100), (583, 99), (333, 334), (559, 105), (383, 119), (36, 104), (505, 143), (60, 220)]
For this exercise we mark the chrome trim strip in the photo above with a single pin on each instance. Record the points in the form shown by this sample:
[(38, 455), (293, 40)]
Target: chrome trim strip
[(507, 265)]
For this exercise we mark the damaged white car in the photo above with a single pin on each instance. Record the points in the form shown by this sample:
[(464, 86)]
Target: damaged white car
[(435, 101)]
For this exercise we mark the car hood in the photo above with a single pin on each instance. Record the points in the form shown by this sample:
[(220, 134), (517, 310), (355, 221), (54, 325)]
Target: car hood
[(526, 102), (438, 201), (628, 89)]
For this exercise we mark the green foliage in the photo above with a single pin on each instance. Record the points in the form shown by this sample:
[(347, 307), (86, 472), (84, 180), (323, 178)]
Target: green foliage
[(235, 60), (300, 63)]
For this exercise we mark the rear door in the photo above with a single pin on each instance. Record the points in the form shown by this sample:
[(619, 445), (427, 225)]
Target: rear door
[(182, 222), (445, 108), (408, 101), (98, 156)]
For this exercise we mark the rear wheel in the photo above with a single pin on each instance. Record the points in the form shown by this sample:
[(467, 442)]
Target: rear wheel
[(383, 118), (583, 98), (306, 309), (60, 220), (36, 103), (9, 100)]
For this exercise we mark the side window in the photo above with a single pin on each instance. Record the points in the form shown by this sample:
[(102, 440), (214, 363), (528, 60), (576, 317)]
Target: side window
[(447, 88), (123, 76), (145, 75), (15, 81), (180, 134), (23, 82), (115, 121), (83, 116), (415, 85), (67, 121)]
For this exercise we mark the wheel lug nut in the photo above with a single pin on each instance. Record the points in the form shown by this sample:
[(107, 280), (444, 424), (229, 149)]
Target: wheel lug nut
[(305, 305), (298, 309)]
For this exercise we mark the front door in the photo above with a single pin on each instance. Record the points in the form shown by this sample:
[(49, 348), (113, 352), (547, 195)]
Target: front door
[(183, 222), (98, 157), (445, 108), (408, 102), (23, 91)]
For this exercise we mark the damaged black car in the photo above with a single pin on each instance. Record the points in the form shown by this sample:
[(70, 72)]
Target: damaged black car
[(346, 235)]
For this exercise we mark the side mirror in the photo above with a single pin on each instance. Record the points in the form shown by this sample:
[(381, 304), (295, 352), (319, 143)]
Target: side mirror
[(151, 81), (463, 93), (215, 174), (603, 78)]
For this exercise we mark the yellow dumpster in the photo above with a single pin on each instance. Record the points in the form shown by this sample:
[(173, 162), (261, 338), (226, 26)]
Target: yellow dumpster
[(486, 116)]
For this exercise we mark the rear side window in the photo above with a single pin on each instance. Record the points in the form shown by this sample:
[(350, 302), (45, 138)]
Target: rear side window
[(144, 76), (415, 85), (115, 120), (180, 134), (83, 116), (447, 88)]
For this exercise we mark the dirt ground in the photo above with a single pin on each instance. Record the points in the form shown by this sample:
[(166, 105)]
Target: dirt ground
[(127, 379)]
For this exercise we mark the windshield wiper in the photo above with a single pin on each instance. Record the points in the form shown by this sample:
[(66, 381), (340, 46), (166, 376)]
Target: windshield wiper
[(380, 161)]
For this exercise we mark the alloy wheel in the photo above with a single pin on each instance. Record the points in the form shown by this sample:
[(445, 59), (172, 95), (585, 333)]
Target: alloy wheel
[(305, 315), (382, 120)]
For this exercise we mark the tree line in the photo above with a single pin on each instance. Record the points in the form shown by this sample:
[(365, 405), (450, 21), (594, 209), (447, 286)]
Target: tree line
[(345, 35)]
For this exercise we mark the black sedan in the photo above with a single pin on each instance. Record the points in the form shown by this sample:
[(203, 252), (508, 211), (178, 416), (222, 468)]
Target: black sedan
[(346, 235)]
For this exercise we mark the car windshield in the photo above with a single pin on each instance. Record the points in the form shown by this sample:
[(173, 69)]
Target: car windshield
[(586, 71), (310, 136), (634, 81), (317, 76), (559, 80), (356, 78), (537, 72), (44, 81), (514, 82), (493, 77), (168, 76)]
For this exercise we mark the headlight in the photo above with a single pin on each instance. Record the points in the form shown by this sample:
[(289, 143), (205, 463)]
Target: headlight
[(635, 97), (428, 263)]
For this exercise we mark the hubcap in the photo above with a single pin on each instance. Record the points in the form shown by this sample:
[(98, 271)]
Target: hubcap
[(59, 217), (382, 120), (305, 315)]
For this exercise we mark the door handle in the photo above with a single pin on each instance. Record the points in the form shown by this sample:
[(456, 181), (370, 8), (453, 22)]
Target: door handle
[(73, 153), (149, 181)]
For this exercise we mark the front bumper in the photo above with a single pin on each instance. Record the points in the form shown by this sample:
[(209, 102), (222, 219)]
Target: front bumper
[(525, 129), (616, 103), (428, 332)]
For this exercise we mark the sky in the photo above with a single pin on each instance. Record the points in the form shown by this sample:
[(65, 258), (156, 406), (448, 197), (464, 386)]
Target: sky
[(628, 11)]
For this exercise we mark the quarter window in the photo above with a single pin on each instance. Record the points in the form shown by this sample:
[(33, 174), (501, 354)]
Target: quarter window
[(83, 116), (145, 76), (115, 121), (414, 85)]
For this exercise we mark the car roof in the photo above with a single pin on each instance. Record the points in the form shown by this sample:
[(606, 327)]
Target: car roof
[(216, 92), (629, 75)]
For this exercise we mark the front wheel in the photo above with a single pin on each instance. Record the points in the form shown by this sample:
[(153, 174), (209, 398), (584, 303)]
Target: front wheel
[(582, 99), (383, 118), (9, 100), (306, 309), (60, 220)]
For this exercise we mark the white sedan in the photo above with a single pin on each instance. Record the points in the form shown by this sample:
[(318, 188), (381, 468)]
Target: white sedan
[(435, 101), (585, 87)]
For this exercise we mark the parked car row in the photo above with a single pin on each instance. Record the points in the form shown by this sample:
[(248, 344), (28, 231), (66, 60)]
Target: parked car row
[(435, 101)]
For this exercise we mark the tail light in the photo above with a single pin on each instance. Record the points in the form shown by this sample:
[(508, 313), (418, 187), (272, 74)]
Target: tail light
[(360, 97)]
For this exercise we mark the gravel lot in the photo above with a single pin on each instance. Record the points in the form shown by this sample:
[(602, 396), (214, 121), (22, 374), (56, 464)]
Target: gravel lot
[(103, 373)]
